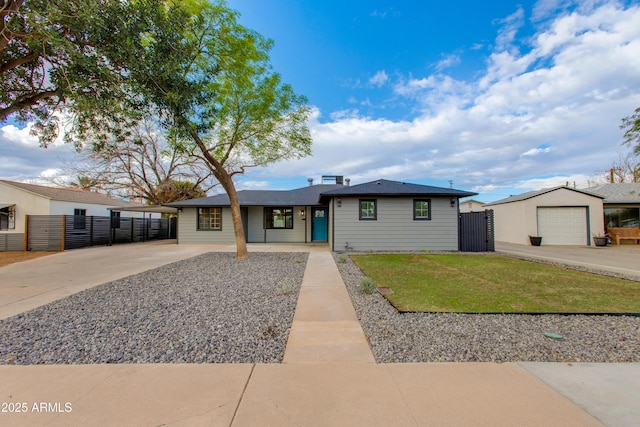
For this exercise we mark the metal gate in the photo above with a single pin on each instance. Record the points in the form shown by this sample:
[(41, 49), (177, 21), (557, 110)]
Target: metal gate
[(476, 232)]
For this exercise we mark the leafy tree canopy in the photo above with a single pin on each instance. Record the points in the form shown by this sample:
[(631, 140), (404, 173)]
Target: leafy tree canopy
[(631, 125), (187, 64), (57, 55)]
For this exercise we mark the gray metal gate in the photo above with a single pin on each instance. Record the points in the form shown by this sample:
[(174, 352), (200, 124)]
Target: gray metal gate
[(476, 232)]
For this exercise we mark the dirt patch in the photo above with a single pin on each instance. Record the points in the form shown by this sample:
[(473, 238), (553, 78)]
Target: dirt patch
[(11, 257)]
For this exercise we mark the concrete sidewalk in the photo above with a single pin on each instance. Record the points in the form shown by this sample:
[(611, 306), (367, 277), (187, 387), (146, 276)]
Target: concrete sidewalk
[(328, 376)]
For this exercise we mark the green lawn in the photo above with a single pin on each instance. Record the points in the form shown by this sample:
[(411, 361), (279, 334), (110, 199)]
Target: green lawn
[(495, 284)]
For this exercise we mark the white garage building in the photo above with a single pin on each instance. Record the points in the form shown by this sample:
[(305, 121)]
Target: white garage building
[(560, 215)]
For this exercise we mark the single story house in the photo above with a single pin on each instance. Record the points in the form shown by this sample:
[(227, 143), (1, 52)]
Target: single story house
[(375, 216), (18, 199), (560, 215), (621, 204)]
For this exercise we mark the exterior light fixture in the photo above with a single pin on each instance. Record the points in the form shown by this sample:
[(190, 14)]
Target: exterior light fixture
[(339, 202), (303, 214), (453, 203)]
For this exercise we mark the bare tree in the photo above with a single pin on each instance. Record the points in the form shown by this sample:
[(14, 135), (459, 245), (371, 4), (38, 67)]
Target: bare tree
[(625, 169), (145, 165)]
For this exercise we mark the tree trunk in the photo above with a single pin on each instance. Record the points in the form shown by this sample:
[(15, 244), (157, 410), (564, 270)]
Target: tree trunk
[(241, 241), (226, 181)]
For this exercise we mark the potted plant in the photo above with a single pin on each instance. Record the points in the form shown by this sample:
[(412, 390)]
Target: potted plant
[(535, 240), (600, 240)]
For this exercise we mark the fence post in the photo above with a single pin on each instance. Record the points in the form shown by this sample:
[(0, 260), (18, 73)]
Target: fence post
[(91, 232), (64, 232), (26, 233)]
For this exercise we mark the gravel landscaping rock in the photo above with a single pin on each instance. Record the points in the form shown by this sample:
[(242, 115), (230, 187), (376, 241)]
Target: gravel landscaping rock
[(451, 337), (210, 308)]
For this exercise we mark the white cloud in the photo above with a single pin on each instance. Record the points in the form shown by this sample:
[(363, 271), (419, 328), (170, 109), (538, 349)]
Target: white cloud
[(510, 26), (22, 136), (384, 13), (550, 108), (22, 158), (536, 151), (543, 112), (448, 61), (379, 78)]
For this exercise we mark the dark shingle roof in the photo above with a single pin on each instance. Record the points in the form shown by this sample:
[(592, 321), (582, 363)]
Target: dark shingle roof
[(312, 195), (306, 196), (531, 194), (68, 194), (383, 187)]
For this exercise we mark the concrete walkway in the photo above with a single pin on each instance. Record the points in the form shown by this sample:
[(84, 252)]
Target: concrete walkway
[(328, 376), (325, 327)]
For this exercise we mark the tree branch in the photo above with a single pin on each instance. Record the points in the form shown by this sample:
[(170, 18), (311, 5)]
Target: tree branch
[(26, 102)]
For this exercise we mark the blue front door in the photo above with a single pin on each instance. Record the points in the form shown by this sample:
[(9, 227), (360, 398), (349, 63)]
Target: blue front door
[(320, 224)]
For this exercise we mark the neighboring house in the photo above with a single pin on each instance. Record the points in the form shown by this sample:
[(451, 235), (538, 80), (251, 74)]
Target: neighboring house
[(621, 204), (378, 216), (470, 205), (18, 199), (560, 215)]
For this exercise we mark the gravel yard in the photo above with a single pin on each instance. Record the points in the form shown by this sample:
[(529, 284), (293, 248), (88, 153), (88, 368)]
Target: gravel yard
[(448, 337), (211, 308), (215, 309)]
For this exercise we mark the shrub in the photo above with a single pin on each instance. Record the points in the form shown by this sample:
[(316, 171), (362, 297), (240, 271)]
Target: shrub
[(285, 288), (367, 286)]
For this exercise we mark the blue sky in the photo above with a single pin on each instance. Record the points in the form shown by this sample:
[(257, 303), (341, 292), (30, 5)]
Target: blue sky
[(498, 97)]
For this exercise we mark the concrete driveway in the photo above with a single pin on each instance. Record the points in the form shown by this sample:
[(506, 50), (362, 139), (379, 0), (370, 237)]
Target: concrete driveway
[(623, 259), (30, 284)]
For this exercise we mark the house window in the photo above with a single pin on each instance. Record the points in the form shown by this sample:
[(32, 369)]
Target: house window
[(7, 218), (622, 217), (278, 217), (79, 219), (209, 218), (422, 209), (368, 210)]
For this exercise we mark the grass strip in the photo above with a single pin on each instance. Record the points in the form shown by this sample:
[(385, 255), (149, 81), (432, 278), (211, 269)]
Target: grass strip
[(494, 284)]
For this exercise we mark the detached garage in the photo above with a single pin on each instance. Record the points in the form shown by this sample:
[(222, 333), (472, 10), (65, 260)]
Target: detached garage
[(560, 215)]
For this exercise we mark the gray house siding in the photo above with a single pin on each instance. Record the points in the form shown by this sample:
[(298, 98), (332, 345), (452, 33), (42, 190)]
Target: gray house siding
[(394, 228), (258, 234), (188, 228)]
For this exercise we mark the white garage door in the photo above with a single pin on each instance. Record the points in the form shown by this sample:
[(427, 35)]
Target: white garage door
[(563, 226)]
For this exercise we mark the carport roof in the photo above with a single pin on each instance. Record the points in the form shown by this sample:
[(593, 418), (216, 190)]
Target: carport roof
[(145, 209), (532, 194)]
